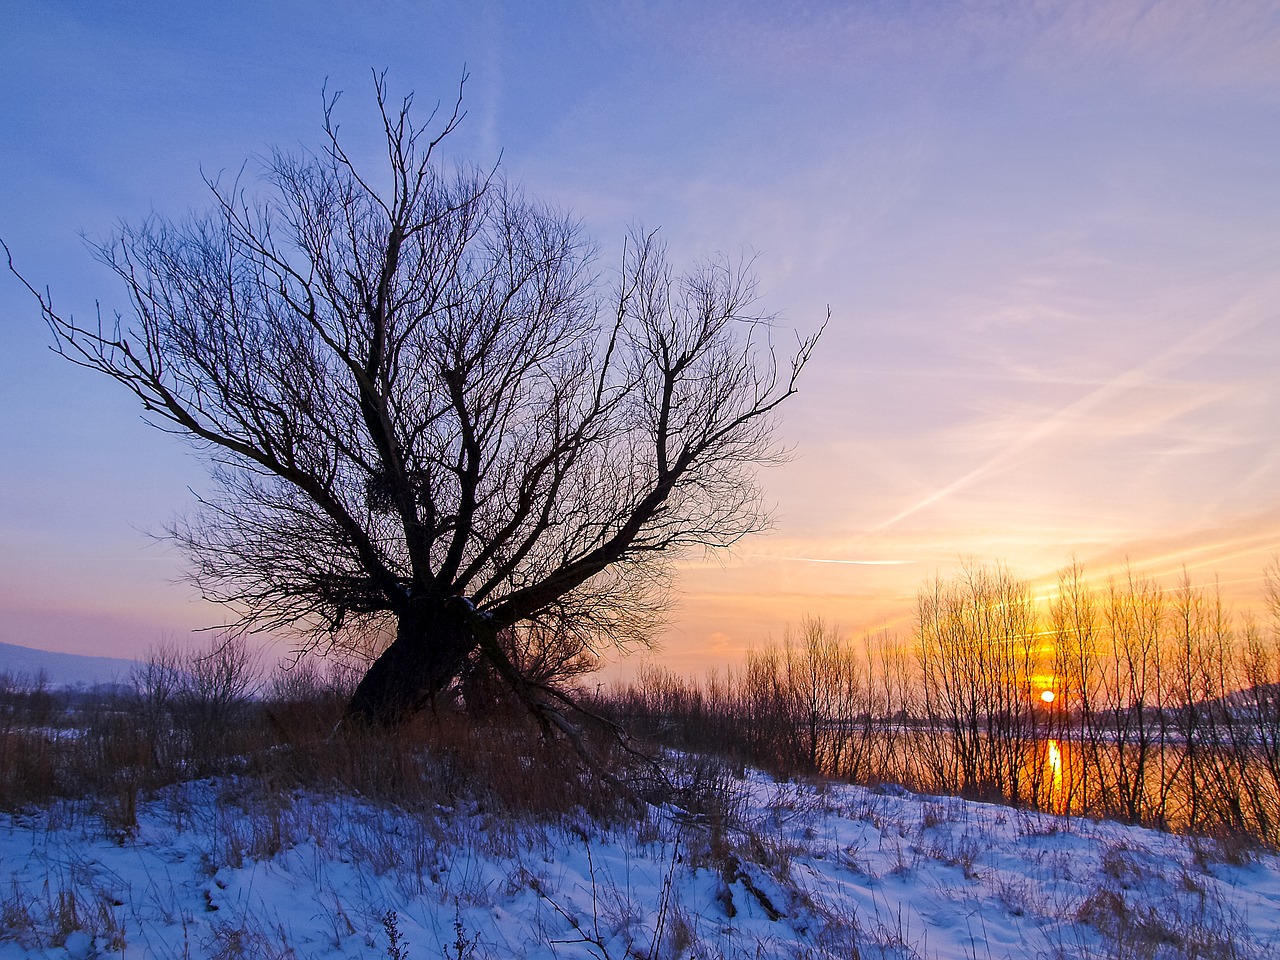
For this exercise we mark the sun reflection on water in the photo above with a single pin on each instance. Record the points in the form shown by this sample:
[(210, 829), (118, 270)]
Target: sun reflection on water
[(1053, 761)]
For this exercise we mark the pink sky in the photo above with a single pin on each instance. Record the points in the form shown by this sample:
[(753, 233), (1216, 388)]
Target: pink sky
[(1049, 236)]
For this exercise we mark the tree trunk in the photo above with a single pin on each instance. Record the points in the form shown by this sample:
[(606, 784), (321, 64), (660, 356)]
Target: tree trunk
[(433, 641)]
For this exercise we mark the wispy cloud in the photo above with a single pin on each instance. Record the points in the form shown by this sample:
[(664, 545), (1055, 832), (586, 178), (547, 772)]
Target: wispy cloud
[(1182, 43), (1195, 345), (857, 563)]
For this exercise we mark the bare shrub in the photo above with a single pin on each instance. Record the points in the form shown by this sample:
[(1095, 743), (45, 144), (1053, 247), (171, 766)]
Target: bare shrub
[(306, 699), (156, 683), (214, 695)]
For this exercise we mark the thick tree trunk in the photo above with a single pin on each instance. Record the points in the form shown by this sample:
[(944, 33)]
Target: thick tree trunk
[(433, 641)]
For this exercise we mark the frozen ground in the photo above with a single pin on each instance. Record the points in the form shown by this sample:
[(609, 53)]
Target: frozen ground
[(224, 869)]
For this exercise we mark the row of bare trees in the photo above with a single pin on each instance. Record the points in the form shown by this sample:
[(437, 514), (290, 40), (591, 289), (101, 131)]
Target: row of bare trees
[(1172, 701), (1124, 698), (814, 703)]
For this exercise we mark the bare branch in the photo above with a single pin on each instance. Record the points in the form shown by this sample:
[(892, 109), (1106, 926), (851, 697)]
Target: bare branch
[(423, 408)]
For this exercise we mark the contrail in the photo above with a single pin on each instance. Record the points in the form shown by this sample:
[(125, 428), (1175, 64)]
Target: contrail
[(1191, 347), (860, 563)]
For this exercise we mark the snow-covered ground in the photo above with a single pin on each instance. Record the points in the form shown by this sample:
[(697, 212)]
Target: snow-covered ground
[(222, 869)]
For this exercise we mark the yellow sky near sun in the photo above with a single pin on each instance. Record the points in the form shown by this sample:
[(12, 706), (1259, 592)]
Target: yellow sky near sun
[(727, 606)]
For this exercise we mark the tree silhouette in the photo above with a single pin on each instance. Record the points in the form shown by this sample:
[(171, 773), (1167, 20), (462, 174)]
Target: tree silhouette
[(427, 414)]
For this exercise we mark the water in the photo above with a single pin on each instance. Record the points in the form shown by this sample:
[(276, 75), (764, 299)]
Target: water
[(1144, 776)]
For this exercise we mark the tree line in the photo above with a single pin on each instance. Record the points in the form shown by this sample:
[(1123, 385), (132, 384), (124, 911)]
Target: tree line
[(1124, 698)]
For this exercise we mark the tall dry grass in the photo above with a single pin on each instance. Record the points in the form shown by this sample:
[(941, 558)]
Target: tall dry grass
[(213, 713)]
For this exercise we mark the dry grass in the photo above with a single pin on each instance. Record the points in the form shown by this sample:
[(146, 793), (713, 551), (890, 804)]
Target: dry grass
[(103, 751), (451, 789)]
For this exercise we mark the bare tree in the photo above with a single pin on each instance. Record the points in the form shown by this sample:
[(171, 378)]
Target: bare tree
[(978, 639), (427, 415)]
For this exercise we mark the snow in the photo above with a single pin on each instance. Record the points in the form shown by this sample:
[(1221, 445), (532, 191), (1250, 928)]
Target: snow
[(226, 868)]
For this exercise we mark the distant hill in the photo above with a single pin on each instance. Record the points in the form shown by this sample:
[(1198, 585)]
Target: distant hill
[(63, 669)]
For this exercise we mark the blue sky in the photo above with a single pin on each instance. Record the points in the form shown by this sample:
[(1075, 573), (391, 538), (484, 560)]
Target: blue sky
[(1048, 233)]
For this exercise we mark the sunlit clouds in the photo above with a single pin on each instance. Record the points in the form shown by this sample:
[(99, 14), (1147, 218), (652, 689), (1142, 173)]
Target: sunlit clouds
[(1134, 403)]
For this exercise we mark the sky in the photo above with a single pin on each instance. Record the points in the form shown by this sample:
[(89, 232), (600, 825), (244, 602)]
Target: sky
[(1048, 235)]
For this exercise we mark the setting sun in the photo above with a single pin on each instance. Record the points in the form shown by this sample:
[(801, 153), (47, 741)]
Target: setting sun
[(1047, 696)]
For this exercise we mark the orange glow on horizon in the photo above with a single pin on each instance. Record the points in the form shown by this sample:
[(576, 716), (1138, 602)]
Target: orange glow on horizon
[(723, 608)]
